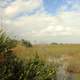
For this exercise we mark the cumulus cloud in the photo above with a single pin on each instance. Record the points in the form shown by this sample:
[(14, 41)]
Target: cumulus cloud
[(40, 25), (19, 6), (66, 23)]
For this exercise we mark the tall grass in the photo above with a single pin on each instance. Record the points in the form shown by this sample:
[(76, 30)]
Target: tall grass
[(13, 68), (20, 63)]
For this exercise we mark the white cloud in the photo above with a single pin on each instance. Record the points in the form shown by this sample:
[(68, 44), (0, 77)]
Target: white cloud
[(22, 6), (41, 24), (59, 28), (66, 23), (11, 10), (71, 19)]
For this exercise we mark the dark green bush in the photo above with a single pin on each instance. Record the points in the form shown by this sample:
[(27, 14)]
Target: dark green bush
[(26, 43), (6, 43), (11, 68), (34, 69)]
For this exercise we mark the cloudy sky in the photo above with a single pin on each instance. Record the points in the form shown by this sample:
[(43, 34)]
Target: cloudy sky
[(42, 20)]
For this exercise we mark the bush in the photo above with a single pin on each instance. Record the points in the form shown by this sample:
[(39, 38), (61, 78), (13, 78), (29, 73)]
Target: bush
[(6, 43), (11, 68), (34, 69), (54, 43), (26, 43)]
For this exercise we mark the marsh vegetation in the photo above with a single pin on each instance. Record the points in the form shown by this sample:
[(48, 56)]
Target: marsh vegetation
[(20, 60)]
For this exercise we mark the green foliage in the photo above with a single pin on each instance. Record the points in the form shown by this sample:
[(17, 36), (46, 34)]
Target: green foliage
[(38, 70), (34, 69), (5, 42), (10, 66), (26, 43), (13, 68)]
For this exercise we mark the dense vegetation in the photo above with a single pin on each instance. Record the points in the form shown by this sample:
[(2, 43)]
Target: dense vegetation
[(13, 68), (20, 60)]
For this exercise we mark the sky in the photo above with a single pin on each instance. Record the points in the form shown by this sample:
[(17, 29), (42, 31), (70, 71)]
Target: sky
[(42, 21)]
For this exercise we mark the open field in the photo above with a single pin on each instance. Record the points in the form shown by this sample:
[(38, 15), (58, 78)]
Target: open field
[(68, 54)]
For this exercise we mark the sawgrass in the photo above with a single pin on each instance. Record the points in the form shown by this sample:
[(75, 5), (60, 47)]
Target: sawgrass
[(70, 53)]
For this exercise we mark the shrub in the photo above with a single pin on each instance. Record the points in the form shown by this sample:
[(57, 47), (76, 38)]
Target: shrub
[(34, 69), (26, 43), (54, 43), (12, 67), (6, 43)]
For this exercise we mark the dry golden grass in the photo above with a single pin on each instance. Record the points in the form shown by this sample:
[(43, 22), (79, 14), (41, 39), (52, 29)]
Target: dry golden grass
[(70, 52), (65, 53)]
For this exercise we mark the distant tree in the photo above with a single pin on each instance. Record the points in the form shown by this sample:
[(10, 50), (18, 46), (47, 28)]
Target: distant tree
[(26, 43), (54, 43)]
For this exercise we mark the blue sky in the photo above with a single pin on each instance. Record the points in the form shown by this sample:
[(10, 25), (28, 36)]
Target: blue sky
[(52, 6), (42, 20)]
